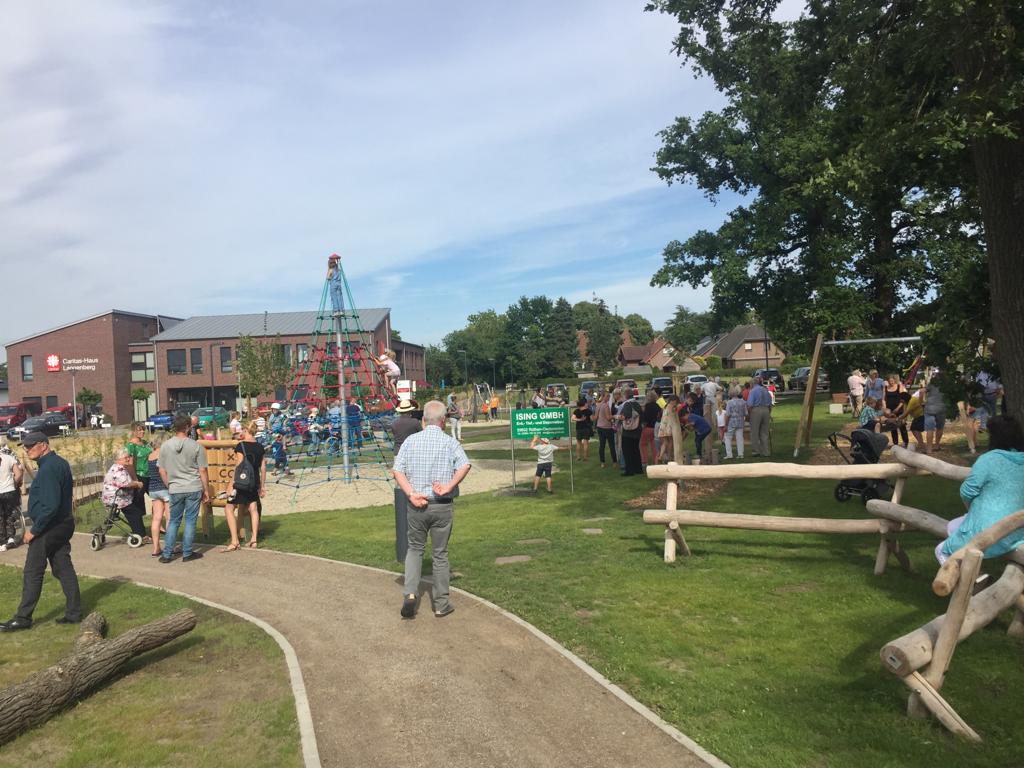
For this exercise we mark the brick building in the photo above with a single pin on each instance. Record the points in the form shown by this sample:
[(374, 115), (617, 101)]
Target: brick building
[(117, 352), (92, 353)]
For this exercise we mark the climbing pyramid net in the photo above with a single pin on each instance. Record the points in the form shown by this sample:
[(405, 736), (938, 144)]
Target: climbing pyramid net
[(335, 423)]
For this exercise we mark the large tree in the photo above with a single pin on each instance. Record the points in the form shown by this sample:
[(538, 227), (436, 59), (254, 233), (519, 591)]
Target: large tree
[(640, 328), (687, 328), (880, 147)]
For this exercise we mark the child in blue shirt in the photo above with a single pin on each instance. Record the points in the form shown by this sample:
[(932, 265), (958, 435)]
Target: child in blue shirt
[(700, 427)]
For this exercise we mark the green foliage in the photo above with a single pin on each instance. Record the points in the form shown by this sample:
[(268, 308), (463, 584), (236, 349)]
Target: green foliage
[(713, 361), (481, 341), (262, 367), (699, 360), (440, 366), (640, 328), (139, 394), (89, 397), (603, 339), (853, 213), (687, 328)]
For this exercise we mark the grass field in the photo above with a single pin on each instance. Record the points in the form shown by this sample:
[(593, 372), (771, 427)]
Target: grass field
[(217, 696), (763, 647)]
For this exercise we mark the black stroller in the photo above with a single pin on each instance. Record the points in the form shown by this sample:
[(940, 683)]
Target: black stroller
[(114, 519), (865, 447)]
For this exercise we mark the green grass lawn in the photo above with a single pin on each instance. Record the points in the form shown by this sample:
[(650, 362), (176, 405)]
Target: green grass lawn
[(218, 695), (763, 647)]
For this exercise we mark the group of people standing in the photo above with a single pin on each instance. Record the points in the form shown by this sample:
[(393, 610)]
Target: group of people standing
[(635, 434)]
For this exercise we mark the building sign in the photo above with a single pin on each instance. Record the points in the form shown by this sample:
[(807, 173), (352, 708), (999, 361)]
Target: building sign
[(52, 363), (79, 363), (542, 422)]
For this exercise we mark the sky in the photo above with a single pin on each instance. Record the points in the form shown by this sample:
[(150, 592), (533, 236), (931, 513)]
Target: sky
[(193, 158)]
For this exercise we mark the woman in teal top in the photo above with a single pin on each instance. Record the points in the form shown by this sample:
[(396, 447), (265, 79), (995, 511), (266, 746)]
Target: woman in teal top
[(993, 490)]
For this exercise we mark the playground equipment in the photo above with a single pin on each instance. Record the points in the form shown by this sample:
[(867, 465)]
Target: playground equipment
[(920, 658), (340, 405)]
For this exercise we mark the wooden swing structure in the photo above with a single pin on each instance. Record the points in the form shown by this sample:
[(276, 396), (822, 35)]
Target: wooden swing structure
[(920, 658), (803, 432)]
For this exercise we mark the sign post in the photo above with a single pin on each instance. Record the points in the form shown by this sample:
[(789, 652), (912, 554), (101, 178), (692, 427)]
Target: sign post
[(551, 423)]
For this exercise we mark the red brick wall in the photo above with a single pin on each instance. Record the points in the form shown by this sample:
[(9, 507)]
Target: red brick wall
[(104, 338)]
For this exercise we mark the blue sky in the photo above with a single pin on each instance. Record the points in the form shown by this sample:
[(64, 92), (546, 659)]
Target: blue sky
[(206, 157)]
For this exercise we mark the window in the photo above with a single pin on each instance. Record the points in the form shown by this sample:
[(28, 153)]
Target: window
[(225, 360), (26, 368), (301, 353), (748, 347), (176, 362), (51, 401), (286, 353), (143, 367), (196, 356)]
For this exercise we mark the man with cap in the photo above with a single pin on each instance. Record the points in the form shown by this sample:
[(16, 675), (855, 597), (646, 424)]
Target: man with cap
[(49, 538), (407, 423)]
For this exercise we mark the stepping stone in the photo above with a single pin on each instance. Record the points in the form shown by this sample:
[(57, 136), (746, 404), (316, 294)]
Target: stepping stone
[(596, 519), (512, 559), (533, 541), (593, 531)]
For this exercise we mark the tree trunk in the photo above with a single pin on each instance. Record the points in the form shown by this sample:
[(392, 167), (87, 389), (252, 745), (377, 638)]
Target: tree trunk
[(999, 165), (92, 661)]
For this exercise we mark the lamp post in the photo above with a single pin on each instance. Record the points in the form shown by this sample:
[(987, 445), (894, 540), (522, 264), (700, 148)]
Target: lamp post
[(494, 382)]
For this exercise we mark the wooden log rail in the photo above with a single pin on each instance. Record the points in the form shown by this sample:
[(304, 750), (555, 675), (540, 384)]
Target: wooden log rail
[(921, 658), (673, 471)]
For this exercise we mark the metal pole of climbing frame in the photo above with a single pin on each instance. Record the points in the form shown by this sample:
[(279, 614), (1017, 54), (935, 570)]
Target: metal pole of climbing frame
[(344, 399)]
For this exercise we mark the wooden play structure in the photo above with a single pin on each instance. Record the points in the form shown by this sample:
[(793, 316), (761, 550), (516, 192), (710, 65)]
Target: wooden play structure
[(922, 657)]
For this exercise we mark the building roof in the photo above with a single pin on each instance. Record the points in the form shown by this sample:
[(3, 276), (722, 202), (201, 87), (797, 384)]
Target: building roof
[(164, 322), (632, 354), (741, 333), (261, 324), (708, 344)]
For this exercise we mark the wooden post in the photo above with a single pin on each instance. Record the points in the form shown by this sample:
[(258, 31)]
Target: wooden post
[(803, 432), (709, 441), (673, 537), (1016, 628), (949, 634), (939, 707)]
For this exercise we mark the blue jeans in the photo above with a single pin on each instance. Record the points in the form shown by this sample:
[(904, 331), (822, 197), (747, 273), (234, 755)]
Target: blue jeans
[(337, 292), (187, 504)]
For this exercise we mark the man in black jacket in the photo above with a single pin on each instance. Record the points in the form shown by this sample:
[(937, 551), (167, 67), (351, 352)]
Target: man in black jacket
[(49, 539)]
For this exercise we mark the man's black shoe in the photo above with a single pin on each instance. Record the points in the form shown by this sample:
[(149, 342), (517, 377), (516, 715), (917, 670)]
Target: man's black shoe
[(193, 556), (66, 620), (448, 610), (15, 624), (409, 607), (165, 559)]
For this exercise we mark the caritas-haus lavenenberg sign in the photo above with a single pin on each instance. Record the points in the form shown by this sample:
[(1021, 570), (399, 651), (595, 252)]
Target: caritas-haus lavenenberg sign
[(56, 363)]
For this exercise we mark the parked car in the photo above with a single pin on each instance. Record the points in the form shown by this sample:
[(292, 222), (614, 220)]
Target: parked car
[(14, 414), (217, 416), (49, 424), (800, 376), (696, 378), (160, 420), (662, 384), (631, 383), (773, 375)]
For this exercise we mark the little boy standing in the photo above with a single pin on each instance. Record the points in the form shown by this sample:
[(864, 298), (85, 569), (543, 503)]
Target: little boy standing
[(545, 460)]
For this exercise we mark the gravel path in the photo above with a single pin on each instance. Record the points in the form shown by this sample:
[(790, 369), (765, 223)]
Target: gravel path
[(478, 688)]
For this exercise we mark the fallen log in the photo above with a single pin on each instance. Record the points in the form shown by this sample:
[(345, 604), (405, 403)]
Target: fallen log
[(759, 522), (930, 464), (92, 660), (914, 650), (773, 469)]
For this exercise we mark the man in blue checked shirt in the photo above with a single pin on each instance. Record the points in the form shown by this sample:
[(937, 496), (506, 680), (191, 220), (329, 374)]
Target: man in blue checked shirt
[(429, 467), (759, 404)]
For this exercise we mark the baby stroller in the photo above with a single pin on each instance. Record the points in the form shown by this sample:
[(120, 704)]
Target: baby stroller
[(113, 520), (865, 447)]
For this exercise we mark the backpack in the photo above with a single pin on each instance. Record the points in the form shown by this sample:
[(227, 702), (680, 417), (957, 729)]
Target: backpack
[(631, 421), (245, 476)]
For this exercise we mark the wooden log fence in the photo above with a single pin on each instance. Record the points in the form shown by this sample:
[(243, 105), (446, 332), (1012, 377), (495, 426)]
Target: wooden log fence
[(921, 658)]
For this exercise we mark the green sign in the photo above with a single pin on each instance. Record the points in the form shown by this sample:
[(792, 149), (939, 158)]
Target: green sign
[(542, 422)]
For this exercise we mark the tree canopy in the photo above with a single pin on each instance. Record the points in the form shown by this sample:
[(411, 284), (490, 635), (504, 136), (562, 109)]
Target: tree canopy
[(879, 147)]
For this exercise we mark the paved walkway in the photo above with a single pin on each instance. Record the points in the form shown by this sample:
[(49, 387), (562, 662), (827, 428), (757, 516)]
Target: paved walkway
[(477, 688)]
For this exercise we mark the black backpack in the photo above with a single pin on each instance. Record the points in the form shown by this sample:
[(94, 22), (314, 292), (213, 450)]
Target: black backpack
[(245, 476)]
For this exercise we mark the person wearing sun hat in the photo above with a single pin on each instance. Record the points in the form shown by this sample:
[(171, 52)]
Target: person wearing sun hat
[(407, 423), (49, 538)]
